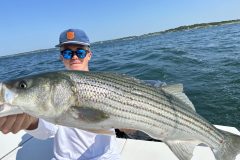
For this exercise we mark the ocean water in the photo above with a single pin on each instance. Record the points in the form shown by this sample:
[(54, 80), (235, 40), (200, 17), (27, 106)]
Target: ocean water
[(205, 60)]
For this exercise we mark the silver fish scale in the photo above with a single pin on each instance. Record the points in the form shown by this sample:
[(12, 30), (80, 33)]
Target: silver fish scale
[(142, 106)]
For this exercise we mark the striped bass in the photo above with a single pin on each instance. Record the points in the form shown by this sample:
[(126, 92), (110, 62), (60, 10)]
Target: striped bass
[(97, 101)]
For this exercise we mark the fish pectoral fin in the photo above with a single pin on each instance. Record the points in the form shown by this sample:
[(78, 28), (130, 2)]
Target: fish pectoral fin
[(102, 131), (182, 149), (177, 90), (88, 114)]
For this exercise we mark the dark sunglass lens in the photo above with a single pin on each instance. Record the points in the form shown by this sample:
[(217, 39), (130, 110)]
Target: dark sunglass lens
[(81, 53), (67, 54)]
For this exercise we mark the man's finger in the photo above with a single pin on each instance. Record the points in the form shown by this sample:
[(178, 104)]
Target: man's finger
[(29, 120), (2, 121), (17, 126), (7, 126)]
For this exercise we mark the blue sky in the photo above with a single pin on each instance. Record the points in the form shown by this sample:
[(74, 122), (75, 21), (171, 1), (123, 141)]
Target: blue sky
[(30, 25)]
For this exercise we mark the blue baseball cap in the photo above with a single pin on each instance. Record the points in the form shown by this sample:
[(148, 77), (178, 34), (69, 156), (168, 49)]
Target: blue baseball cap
[(73, 36)]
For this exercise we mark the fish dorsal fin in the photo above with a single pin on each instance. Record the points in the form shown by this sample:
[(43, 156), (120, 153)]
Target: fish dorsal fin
[(182, 149), (177, 90), (174, 88)]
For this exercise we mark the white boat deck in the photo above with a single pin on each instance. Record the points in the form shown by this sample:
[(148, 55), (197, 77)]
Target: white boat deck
[(22, 146)]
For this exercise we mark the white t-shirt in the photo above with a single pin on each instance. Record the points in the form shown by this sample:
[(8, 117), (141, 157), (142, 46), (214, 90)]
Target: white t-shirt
[(76, 144)]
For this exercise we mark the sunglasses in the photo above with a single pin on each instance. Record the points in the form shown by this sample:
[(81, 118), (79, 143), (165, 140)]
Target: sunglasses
[(68, 53)]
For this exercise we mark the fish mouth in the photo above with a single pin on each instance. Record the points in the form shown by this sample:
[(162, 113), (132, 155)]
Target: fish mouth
[(5, 102), (6, 95), (1, 94), (1, 99), (1, 107), (6, 110)]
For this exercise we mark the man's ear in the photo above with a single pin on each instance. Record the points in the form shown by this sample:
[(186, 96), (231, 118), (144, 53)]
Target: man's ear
[(89, 55)]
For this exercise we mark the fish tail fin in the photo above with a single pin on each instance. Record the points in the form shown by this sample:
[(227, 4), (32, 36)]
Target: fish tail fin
[(230, 148)]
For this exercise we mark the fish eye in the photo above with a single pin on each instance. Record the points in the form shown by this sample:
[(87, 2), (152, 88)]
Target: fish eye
[(22, 84)]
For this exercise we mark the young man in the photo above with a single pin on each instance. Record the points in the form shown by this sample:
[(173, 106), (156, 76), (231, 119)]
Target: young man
[(69, 143)]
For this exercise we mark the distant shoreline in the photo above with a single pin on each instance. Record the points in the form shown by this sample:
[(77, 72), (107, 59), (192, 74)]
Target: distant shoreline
[(24, 53), (181, 28), (199, 25)]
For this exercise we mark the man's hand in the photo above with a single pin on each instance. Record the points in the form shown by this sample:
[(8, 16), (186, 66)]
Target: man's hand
[(15, 123)]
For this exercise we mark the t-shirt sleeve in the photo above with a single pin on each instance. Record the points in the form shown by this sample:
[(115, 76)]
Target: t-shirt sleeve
[(45, 130)]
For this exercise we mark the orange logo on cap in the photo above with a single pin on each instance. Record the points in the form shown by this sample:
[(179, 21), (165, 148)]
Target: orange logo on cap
[(70, 35)]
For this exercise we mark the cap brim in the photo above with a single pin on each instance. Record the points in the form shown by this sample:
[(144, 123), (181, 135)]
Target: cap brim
[(73, 42)]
